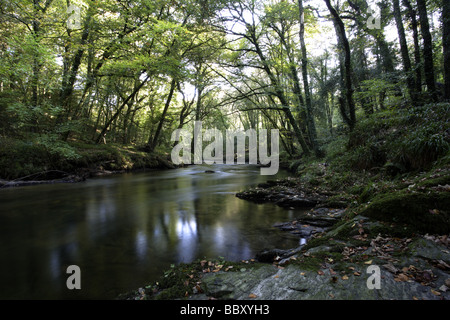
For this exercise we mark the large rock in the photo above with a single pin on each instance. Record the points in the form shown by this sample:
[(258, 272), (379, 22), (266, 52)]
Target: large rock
[(293, 283)]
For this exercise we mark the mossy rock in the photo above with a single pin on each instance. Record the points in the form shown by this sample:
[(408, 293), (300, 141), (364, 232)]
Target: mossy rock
[(426, 212), (441, 180)]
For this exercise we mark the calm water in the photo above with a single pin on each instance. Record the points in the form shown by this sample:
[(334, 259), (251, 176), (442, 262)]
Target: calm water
[(124, 230)]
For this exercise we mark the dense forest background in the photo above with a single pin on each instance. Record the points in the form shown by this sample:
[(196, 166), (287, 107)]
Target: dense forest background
[(85, 82)]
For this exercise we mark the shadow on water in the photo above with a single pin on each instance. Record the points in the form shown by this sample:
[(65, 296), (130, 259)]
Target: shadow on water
[(124, 230)]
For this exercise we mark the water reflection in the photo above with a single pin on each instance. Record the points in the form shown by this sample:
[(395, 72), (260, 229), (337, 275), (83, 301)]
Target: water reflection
[(124, 230)]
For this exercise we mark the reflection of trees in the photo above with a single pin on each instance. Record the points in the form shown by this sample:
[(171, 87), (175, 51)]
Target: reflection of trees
[(122, 230)]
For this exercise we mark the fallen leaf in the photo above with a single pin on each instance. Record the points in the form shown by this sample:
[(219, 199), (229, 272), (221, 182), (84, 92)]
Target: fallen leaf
[(356, 273), (344, 278), (368, 262), (320, 273), (390, 267), (434, 211), (443, 288), (277, 276), (436, 293), (447, 282), (401, 277), (442, 265), (252, 296)]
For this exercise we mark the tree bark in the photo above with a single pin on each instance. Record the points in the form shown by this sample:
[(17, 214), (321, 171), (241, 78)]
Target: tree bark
[(152, 143), (404, 51), (417, 55), (427, 49), (69, 82), (309, 114), (446, 45), (295, 80), (36, 64), (343, 41)]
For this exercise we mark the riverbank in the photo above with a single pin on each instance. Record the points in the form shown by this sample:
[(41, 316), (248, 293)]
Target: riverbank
[(26, 165)]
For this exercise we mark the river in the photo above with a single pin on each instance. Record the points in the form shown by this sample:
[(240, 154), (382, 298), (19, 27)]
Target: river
[(124, 230)]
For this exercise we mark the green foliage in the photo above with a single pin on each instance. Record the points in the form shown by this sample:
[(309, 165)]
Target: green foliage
[(55, 147), (410, 139), (370, 91), (21, 158)]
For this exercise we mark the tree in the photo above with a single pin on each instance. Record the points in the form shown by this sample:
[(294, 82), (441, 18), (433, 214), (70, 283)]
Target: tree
[(427, 49), (259, 55), (282, 17), (446, 45), (404, 51), (310, 117), (153, 141), (412, 14), (349, 113)]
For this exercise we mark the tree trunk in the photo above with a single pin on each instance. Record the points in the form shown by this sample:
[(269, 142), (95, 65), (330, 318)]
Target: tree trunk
[(343, 42), (296, 83), (152, 143), (446, 45), (68, 84), (309, 114), (427, 49), (417, 55), (404, 51), (36, 64), (198, 107)]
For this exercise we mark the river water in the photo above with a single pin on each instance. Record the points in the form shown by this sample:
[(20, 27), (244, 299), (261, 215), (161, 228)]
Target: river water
[(124, 230)]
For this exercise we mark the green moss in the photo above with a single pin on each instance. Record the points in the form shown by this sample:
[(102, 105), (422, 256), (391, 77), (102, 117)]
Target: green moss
[(431, 182), (316, 242), (178, 281), (426, 212)]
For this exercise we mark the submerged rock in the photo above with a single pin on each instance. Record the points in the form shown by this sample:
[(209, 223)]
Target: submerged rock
[(286, 197)]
